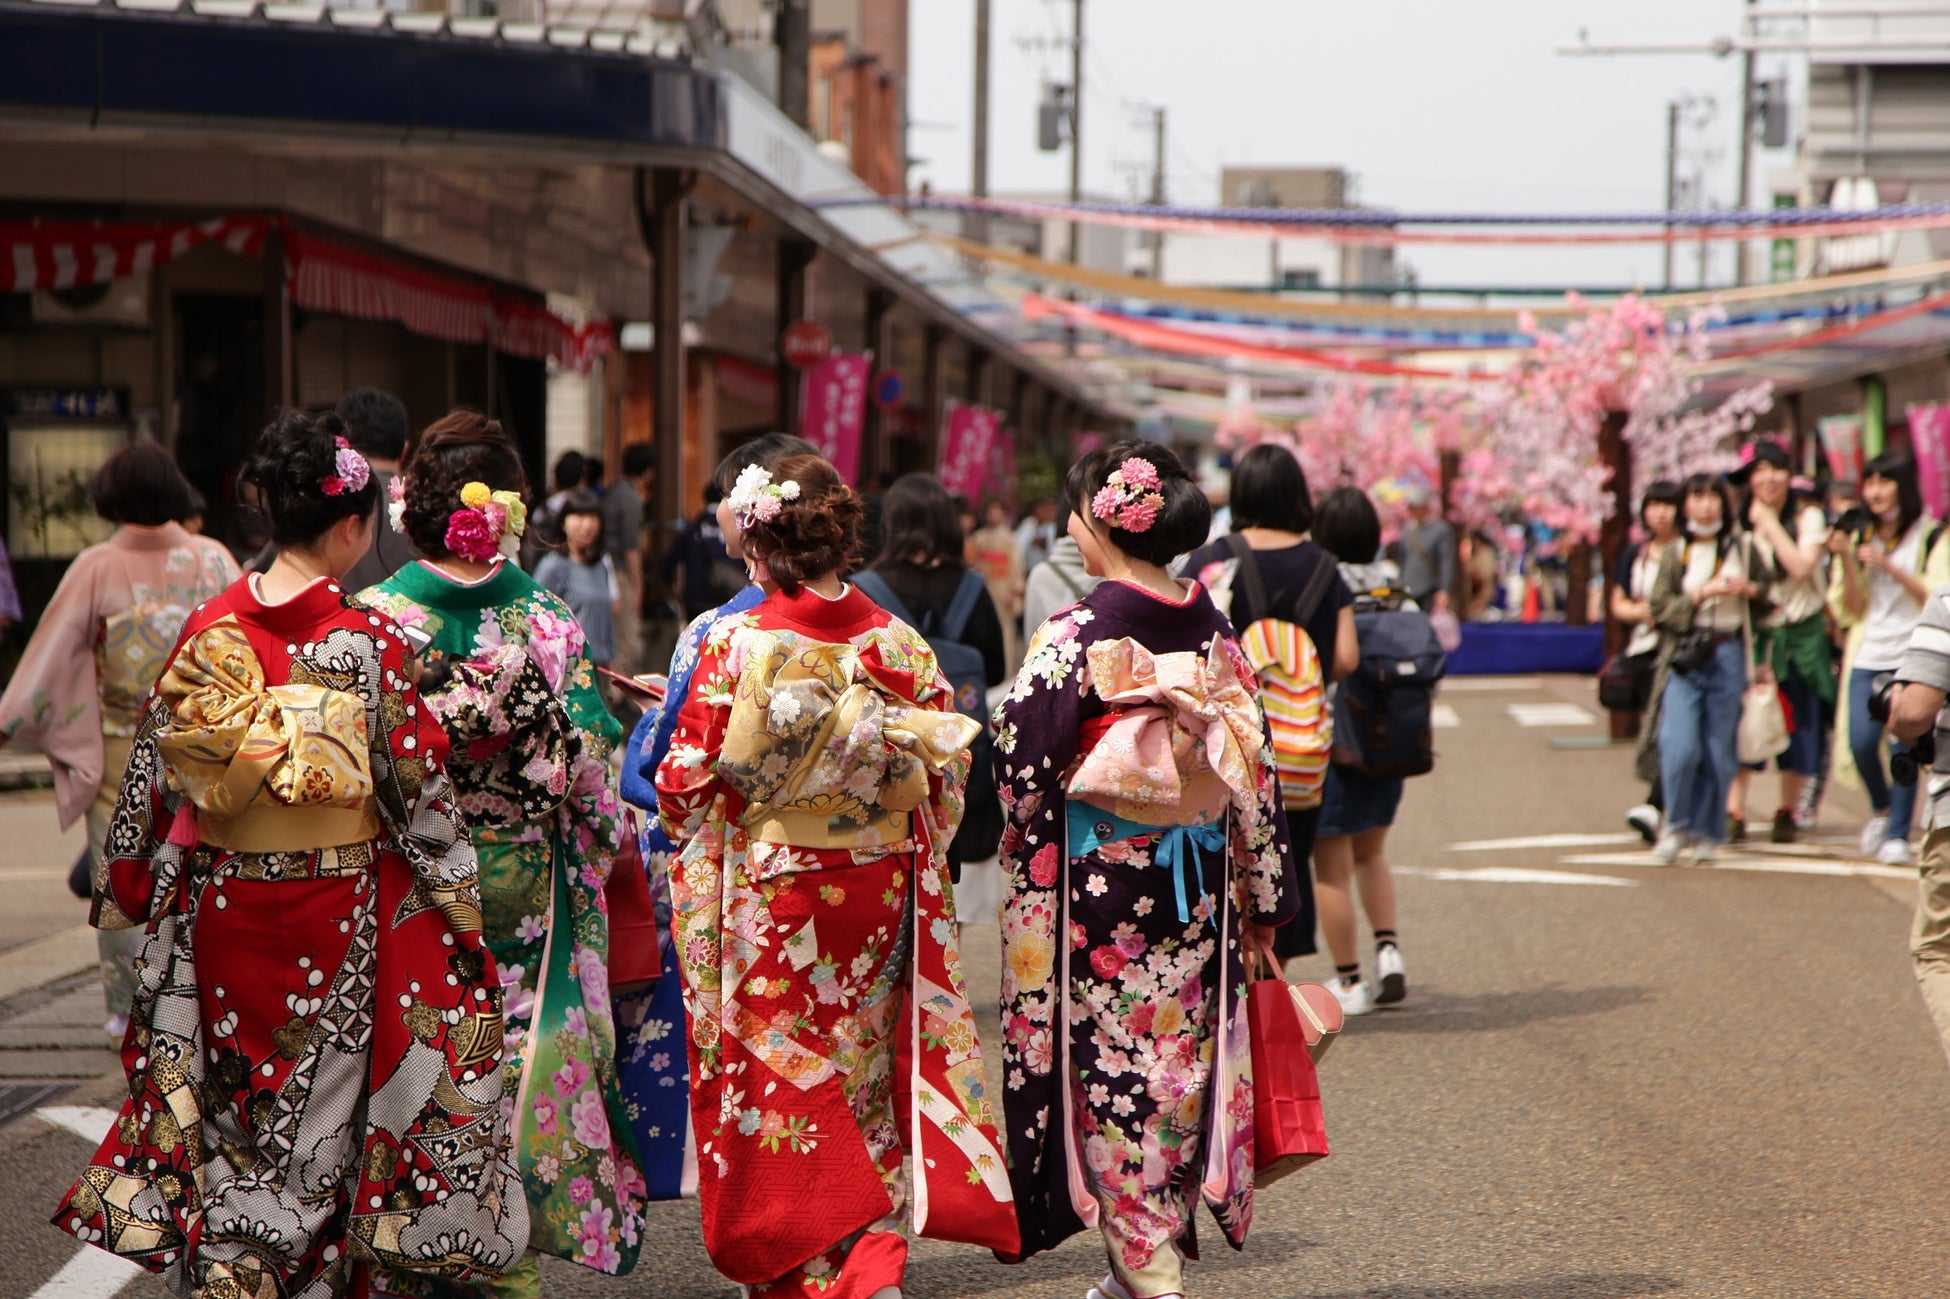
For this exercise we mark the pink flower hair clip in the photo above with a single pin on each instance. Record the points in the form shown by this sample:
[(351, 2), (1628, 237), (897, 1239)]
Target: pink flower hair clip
[(1131, 497), (352, 471)]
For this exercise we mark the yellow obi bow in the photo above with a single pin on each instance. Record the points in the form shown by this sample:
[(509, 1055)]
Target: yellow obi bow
[(269, 769), (827, 746), (1183, 740)]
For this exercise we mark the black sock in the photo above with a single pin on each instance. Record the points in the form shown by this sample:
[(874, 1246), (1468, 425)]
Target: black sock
[(1385, 936), (1348, 973)]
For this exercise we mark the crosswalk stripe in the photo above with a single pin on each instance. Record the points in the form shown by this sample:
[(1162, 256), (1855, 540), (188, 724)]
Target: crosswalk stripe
[(1515, 875), (1545, 841), (1533, 715), (1473, 684), (90, 1274), (89, 1122), (1762, 865), (1443, 718)]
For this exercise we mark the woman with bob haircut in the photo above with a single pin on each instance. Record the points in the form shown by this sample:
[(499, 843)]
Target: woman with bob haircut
[(314, 1054), (1631, 604), (1135, 891), (815, 780), (508, 679), (78, 693)]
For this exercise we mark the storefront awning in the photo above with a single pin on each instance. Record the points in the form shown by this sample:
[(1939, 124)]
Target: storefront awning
[(44, 255)]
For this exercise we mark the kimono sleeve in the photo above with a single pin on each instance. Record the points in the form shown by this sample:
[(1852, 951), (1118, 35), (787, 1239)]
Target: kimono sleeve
[(1038, 730), (140, 848), (687, 778), (1262, 850), (53, 701)]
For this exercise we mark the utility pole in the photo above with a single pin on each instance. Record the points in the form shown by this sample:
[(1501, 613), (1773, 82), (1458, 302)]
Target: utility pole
[(1746, 163), (978, 220), (1672, 180), (792, 34), (1076, 127), (1158, 189)]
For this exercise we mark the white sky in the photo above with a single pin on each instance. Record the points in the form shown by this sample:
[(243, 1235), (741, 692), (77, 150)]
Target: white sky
[(1459, 105)]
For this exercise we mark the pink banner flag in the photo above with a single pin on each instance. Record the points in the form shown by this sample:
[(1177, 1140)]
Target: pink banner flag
[(833, 410), (1929, 442), (1002, 464), (965, 442)]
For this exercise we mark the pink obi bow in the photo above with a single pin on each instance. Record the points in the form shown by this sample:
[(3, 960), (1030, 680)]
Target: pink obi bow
[(1185, 740)]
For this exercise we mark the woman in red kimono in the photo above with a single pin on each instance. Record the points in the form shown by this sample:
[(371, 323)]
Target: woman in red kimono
[(815, 778), (313, 1055)]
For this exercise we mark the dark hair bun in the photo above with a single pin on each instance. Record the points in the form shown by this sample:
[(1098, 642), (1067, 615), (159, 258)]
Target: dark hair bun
[(816, 533), (1182, 523), (461, 447), (293, 458)]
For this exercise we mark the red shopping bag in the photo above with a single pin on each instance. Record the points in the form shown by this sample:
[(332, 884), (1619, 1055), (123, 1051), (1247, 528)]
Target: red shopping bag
[(1289, 1127), (633, 958)]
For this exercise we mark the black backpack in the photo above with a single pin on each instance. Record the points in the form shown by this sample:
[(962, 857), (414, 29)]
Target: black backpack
[(1383, 710), (961, 663)]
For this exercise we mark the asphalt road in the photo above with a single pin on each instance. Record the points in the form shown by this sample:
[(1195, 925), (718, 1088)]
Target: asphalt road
[(1686, 1081)]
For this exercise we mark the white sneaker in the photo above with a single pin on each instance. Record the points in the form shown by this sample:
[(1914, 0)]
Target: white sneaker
[(1705, 853), (1356, 998), (1645, 819), (1666, 852), (1391, 976), (1874, 834), (1896, 852), (117, 1027)]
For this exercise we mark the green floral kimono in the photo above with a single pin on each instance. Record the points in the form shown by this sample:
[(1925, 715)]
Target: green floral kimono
[(531, 742)]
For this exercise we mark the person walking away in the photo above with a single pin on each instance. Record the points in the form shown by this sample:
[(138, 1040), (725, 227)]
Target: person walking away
[(1058, 582), (815, 780), (1631, 604), (313, 1058), (1293, 589), (623, 505), (544, 531), (712, 575), (377, 427), (1135, 891), (920, 579), (1888, 563), (1790, 534), (1916, 709), (516, 697), (1035, 535), (79, 690), (1357, 809), (997, 557), (584, 575), (1426, 551), (1702, 602)]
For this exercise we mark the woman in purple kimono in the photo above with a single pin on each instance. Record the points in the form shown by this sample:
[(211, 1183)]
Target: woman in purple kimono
[(1144, 823)]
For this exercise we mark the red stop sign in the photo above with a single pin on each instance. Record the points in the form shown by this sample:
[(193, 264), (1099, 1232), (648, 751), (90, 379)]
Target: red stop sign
[(806, 343)]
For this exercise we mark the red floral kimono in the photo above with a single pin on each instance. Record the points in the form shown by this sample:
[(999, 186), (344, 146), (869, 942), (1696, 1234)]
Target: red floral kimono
[(815, 779), (314, 1054)]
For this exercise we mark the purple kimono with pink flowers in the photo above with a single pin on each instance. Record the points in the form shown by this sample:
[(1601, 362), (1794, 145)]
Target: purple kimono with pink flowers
[(1144, 826)]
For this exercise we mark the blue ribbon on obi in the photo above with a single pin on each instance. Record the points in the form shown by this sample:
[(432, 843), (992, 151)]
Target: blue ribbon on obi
[(1175, 843)]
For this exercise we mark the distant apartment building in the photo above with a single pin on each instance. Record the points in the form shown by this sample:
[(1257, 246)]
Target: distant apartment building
[(1240, 262)]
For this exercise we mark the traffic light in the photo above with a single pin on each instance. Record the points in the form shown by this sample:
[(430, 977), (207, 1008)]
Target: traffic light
[(1773, 113), (1053, 118)]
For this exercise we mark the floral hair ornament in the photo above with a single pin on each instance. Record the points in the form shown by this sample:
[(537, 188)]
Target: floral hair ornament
[(1131, 497), (350, 471), (755, 498), (487, 526)]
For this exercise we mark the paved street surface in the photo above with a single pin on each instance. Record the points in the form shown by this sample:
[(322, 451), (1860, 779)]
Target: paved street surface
[(1609, 1079)]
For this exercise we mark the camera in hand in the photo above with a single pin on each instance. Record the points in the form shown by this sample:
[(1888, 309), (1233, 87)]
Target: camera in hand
[(1855, 521), (1905, 765)]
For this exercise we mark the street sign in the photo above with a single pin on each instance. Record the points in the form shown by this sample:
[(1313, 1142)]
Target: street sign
[(805, 344), (888, 389)]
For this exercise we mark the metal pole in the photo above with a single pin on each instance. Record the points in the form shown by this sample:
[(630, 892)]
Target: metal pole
[(1076, 125), (1672, 180), (1157, 189), (978, 221), (1746, 163)]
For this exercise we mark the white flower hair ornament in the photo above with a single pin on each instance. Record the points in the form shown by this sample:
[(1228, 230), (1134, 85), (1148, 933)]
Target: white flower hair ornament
[(755, 498)]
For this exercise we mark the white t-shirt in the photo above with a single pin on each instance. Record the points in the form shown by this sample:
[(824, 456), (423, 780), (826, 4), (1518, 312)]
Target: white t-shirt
[(1704, 562), (1798, 599), (1645, 568), (1892, 609)]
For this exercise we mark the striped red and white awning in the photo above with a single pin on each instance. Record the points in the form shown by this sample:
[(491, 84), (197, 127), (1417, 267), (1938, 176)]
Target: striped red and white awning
[(43, 255)]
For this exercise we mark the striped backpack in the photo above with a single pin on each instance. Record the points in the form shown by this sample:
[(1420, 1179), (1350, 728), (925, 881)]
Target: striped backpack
[(1292, 684)]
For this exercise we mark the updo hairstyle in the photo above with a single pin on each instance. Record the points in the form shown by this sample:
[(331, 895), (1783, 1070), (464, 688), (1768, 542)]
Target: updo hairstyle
[(293, 458), (817, 533), (1182, 522), (461, 447)]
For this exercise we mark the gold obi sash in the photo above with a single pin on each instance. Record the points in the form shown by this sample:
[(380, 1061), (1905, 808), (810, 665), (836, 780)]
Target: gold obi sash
[(827, 745), (1180, 741), (268, 768)]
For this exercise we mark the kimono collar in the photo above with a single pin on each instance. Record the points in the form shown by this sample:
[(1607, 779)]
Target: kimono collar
[(133, 536), (432, 589), (840, 619), (319, 602)]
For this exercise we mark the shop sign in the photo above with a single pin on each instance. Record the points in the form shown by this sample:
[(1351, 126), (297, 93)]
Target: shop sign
[(65, 403), (835, 410), (805, 344), (888, 389)]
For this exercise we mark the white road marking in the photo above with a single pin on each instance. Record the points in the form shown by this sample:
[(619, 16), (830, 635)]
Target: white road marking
[(1551, 715), (1513, 875), (1492, 683), (1763, 865), (1546, 841), (1443, 718), (89, 1122), (91, 1274)]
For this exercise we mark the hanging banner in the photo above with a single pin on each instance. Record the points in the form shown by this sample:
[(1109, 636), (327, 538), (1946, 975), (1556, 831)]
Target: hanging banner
[(968, 433), (1841, 440), (1002, 465), (833, 409), (1929, 442)]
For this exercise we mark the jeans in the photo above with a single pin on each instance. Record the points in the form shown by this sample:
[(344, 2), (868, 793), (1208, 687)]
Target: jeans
[(1699, 721), (1865, 742)]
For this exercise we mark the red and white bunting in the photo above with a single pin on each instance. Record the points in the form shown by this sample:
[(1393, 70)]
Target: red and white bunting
[(43, 255)]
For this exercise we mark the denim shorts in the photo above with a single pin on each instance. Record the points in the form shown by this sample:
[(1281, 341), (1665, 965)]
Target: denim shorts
[(1352, 803)]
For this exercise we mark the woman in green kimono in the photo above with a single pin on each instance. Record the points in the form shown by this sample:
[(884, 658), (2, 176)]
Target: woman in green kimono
[(507, 676)]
